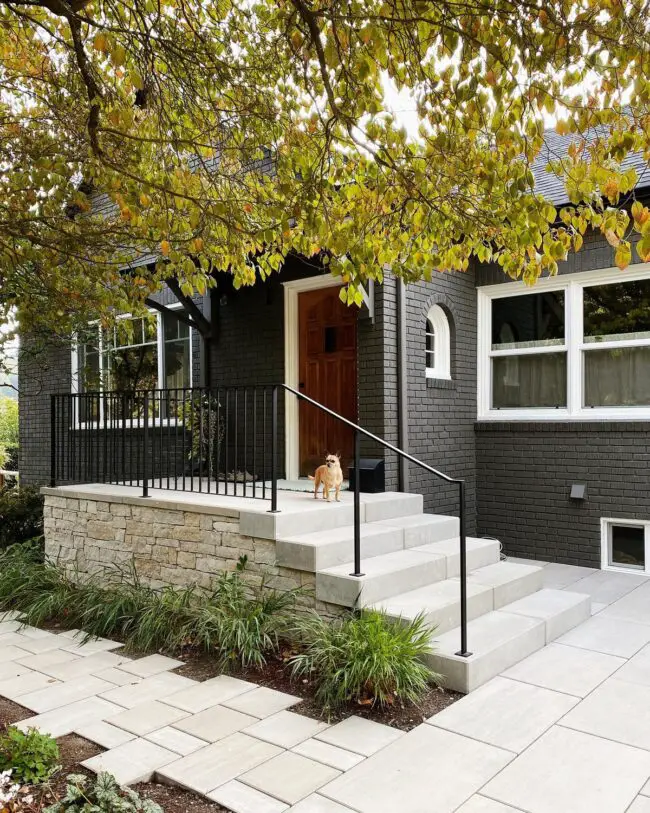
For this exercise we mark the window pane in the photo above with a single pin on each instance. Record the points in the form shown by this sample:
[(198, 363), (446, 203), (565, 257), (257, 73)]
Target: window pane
[(618, 311), (532, 320), (174, 328), (529, 381), (135, 368), (617, 377), (88, 368), (627, 545)]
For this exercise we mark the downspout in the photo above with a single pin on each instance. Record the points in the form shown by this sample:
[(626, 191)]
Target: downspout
[(402, 386)]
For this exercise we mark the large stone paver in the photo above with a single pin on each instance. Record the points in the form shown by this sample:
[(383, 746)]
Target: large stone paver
[(289, 777), (65, 720), (78, 665), (14, 653), (212, 766), (572, 772), (12, 669), (147, 717), (175, 740), (117, 677), (565, 669), (62, 694), (616, 710), (315, 803), (104, 734), (612, 636), (15, 687), (605, 587), (557, 576), (35, 645), (153, 688), (93, 646), (428, 769), (202, 696), (286, 729), (262, 702), (215, 723), (135, 761), (481, 804), (151, 665), (241, 798), (640, 805), (328, 754), (637, 669), (359, 735), (505, 713), (44, 659), (632, 607)]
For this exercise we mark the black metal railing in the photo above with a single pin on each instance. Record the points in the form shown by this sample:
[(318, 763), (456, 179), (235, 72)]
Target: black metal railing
[(222, 440)]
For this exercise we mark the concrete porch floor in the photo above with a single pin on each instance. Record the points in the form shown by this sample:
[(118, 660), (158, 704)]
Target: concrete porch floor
[(565, 731)]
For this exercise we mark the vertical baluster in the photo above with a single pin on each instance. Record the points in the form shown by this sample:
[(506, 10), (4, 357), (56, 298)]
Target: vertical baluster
[(145, 445), (201, 430), (227, 446), (219, 438), (211, 418), (274, 451), (235, 467), (357, 505), (245, 468), (255, 441), (264, 442)]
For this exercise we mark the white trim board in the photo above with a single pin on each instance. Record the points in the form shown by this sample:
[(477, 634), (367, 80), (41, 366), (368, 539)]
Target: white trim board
[(292, 364), (605, 564)]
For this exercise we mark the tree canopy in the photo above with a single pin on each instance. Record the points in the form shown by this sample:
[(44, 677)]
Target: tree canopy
[(218, 136)]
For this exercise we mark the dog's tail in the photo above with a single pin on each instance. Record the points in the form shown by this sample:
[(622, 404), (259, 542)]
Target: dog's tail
[(310, 477)]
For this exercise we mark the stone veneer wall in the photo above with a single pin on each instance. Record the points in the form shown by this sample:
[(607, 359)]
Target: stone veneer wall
[(167, 546)]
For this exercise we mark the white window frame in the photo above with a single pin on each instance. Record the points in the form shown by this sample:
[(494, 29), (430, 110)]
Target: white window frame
[(605, 564), (160, 350), (574, 346), (441, 344)]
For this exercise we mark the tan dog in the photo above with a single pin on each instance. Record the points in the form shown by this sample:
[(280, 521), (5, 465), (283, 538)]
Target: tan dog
[(331, 477)]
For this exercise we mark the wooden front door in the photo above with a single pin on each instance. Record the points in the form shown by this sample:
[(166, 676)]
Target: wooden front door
[(328, 374)]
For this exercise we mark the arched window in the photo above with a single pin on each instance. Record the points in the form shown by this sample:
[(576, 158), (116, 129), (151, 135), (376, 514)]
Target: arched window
[(438, 344)]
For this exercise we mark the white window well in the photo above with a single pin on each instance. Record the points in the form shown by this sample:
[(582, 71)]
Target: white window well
[(573, 347), (438, 344), (625, 545)]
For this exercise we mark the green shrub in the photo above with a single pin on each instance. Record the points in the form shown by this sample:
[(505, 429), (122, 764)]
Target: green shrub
[(164, 620), (367, 658), (31, 756), (21, 515), (103, 796)]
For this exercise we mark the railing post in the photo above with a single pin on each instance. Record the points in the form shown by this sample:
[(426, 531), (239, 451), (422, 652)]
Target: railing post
[(145, 450), (357, 505), (463, 653), (52, 441), (274, 451)]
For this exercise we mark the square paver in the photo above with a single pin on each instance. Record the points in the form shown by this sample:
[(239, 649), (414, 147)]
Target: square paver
[(151, 665), (289, 777), (612, 636), (61, 721), (572, 772), (147, 717), (62, 694), (175, 740), (505, 713), (286, 729), (481, 804), (78, 666), (328, 754), (605, 586), (632, 607), (428, 769), (201, 696), (315, 803), (262, 702), (135, 761), (212, 766), (153, 688), (215, 723), (241, 798), (361, 736), (18, 686), (104, 734), (617, 710), (566, 669)]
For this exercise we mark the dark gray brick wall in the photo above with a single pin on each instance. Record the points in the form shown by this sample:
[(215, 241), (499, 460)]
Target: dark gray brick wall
[(525, 470)]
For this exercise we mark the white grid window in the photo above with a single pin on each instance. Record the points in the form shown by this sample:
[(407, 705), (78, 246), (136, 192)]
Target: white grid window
[(574, 347), (438, 344)]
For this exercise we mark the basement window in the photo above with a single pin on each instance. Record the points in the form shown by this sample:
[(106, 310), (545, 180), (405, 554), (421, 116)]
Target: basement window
[(625, 545)]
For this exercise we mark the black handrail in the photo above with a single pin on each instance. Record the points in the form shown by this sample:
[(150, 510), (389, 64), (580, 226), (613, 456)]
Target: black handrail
[(359, 430)]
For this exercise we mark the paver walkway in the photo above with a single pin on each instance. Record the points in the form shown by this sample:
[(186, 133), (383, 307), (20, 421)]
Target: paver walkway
[(567, 730)]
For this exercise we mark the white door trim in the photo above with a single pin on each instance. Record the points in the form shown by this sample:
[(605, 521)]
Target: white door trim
[(292, 363)]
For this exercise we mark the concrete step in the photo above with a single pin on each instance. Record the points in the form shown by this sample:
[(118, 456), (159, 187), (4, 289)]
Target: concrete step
[(326, 549), (496, 640), (509, 580), (384, 576), (439, 603), (423, 529), (480, 552), (392, 504), (560, 610)]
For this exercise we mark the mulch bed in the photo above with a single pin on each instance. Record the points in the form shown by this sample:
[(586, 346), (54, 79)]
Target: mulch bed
[(177, 800), (276, 676)]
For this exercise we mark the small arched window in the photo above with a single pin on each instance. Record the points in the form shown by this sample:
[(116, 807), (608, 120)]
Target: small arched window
[(438, 344)]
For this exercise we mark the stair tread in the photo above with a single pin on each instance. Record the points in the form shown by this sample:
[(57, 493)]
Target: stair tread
[(452, 545), (546, 603), (427, 598), (345, 533), (412, 520), (501, 573), (485, 634), (384, 564)]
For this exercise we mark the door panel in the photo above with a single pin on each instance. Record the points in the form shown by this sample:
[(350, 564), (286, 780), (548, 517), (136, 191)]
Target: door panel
[(328, 374)]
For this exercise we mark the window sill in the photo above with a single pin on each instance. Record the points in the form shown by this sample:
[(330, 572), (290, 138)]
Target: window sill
[(441, 384)]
